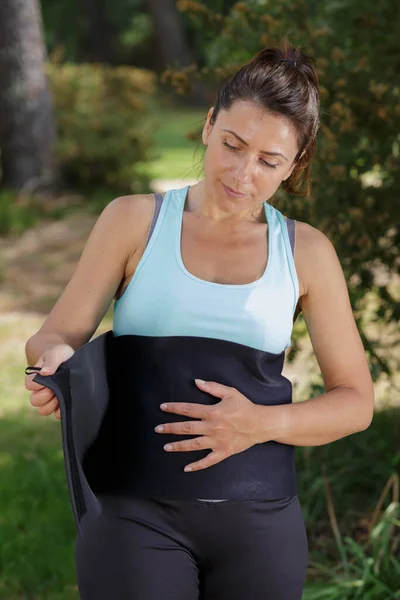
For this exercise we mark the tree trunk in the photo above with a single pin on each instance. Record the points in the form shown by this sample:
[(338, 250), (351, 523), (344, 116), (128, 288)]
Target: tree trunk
[(97, 42), (170, 39), (27, 127), (171, 42)]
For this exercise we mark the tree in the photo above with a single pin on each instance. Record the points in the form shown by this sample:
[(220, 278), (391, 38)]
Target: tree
[(354, 198), (27, 126), (169, 33), (170, 38)]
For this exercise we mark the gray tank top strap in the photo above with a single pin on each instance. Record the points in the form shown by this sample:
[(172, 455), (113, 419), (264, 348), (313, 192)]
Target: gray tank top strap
[(291, 225), (157, 206)]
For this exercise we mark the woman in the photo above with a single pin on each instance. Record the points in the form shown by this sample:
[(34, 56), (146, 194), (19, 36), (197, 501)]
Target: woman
[(208, 282)]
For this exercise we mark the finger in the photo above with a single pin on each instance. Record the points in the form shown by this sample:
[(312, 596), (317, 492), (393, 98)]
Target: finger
[(32, 385), (57, 414), (187, 428), (211, 459), (29, 383), (41, 397), (199, 443), (48, 408), (215, 389), (197, 411)]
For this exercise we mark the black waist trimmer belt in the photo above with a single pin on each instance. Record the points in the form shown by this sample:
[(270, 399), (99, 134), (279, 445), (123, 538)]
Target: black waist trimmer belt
[(81, 386), (110, 391)]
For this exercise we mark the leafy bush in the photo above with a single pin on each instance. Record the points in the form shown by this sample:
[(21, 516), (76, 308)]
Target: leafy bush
[(369, 571), (343, 488), (354, 198), (355, 466), (100, 114)]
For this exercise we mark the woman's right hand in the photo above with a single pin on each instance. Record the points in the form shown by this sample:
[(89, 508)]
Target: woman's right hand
[(42, 397)]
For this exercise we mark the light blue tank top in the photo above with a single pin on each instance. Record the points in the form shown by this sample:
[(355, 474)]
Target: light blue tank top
[(164, 299)]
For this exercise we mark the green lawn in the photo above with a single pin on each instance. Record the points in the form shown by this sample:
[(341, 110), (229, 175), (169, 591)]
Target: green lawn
[(36, 524), (175, 155)]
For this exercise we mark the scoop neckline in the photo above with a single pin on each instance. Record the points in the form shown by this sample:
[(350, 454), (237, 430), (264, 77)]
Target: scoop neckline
[(178, 243)]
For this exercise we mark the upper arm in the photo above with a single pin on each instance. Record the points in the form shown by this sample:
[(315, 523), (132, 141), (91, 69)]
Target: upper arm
[(329, 317), (98, 274)]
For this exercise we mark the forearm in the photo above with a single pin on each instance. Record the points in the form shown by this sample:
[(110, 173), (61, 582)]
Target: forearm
[(39, 343), (326, 418)]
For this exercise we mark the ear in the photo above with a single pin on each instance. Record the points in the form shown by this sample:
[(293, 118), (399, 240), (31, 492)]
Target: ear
[(207, 126)]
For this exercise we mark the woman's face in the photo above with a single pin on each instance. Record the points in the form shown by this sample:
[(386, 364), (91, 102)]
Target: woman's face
[(249, 150)]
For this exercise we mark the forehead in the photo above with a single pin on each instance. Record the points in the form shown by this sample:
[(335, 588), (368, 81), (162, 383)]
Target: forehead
[(256, 125)]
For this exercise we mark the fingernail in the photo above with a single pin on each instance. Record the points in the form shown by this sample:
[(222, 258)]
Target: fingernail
[(200, 381), (163, 406)]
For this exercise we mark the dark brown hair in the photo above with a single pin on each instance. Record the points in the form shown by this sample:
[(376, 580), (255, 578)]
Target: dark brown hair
[(283, 81)]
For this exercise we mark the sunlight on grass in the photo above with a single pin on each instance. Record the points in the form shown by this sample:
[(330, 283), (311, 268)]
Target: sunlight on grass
[(6, 460), (174, 163), (175, 156)]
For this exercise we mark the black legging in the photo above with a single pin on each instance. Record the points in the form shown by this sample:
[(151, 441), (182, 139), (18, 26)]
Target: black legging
[(147, 549)]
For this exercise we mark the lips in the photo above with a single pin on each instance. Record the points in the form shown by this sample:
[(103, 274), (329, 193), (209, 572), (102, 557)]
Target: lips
[(232, 192)]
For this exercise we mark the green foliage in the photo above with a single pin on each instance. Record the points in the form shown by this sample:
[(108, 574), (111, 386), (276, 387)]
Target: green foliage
[(100, 114), (370, 571), (355, 176), (68, 26), (339, 486), (139, 31), (357, 468), (16, 214)]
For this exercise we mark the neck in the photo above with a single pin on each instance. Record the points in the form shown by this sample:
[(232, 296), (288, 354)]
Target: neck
[(213, 204)]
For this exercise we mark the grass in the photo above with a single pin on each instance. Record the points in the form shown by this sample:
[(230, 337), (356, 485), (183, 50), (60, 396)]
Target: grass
[(36, 526), (176, 156)]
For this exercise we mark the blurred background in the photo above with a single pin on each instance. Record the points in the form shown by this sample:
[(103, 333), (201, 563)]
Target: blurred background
[(103, 98)]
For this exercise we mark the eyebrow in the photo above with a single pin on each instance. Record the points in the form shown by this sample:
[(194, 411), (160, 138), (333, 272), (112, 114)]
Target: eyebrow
[(246, 144)]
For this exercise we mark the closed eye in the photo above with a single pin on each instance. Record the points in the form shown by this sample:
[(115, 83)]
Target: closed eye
[(235, 149)]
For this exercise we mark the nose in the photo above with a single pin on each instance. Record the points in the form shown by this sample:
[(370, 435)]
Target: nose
[(243, 171)]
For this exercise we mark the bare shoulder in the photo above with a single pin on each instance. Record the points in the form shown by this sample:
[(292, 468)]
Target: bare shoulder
[(135, 211), (138, 207), (314, 251)]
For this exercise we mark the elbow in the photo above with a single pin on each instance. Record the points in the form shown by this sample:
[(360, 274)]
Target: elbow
[(366, 422), (368, 411), (29, 353)]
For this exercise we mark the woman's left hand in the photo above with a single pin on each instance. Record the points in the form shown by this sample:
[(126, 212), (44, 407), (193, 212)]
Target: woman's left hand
[(229, 427)]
